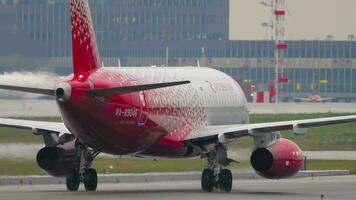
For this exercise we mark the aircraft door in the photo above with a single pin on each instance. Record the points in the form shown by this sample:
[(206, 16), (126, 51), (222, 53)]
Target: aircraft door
[(144, 111)]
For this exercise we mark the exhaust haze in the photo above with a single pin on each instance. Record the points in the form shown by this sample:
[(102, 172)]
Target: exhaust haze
[(26, 79)]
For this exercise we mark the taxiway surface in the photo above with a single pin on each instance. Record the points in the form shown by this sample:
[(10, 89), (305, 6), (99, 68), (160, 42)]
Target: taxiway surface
[(48, 108), (340, 187)]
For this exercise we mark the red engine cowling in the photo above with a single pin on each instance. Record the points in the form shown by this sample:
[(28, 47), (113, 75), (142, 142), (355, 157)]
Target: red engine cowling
[(281, 160), (57, 160)]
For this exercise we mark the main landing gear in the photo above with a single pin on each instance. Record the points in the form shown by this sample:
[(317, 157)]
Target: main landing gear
[(214, 176), (82, 171)]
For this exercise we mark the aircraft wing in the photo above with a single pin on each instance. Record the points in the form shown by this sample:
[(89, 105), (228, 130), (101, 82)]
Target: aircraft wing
[(227, 133), (326, 99), (37, 127), (301, 99)]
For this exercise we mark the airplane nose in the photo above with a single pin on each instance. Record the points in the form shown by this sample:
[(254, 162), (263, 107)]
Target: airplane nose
[(63, 92)]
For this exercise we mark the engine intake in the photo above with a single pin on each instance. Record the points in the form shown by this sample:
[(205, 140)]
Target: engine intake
[(280, 160), (57, 160)]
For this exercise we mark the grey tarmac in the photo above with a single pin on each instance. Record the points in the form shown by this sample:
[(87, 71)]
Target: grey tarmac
[(337, 187), (48, 108)]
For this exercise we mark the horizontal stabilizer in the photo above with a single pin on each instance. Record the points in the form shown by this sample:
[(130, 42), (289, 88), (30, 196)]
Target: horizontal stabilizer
[(134, 88), (28, 89)]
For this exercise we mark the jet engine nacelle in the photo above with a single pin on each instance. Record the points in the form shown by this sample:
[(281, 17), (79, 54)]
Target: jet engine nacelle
[(57, 160), (280, 160)]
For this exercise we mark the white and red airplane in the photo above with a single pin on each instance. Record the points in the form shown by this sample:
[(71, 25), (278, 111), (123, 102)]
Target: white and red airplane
[(173, 112), (314, 98)]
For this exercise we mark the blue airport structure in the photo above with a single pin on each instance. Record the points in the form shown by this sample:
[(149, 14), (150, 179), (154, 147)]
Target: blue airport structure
[(138, 32)]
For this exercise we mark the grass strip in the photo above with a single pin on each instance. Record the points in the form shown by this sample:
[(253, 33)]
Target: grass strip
[(117, 165)]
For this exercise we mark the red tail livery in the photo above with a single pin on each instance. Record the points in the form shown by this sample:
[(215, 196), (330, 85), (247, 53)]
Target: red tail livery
[(85, 51)]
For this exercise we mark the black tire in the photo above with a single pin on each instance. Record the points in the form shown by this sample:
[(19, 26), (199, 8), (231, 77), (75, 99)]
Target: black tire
[(207, 180), (225, 180), (90, 180), (72, 180)]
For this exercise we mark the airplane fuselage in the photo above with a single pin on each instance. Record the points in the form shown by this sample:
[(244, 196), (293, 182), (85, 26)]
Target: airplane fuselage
[(151, 122)]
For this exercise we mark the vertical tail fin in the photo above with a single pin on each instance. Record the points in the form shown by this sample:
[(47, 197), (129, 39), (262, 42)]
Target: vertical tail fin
[(85, 51)]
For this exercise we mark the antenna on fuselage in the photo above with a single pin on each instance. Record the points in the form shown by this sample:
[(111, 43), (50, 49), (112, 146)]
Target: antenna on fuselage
[(102, 64), (198, 63)]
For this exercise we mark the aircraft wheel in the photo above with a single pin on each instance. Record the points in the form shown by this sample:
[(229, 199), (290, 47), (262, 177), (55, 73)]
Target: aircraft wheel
[(90, 179), (207, 180), (72, 180), (225, 180)]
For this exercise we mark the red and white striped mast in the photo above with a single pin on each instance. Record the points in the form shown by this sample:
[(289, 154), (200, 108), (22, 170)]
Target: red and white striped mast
[(280, 45)]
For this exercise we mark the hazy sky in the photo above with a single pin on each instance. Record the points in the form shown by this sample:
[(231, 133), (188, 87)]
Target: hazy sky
[(306, 19)]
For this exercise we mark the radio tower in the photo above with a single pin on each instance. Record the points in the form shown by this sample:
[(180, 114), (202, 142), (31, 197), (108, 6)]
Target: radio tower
[(280, 45)]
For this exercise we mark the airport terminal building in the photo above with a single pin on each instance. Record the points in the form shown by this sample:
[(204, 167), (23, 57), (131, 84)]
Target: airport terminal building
[(35, 35)]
